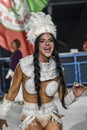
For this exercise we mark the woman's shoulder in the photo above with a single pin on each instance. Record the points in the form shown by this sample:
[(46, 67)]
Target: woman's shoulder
[(26, 60)]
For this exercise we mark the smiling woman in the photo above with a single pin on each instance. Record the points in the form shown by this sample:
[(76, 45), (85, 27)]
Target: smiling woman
[(46, 47), (41, 76)]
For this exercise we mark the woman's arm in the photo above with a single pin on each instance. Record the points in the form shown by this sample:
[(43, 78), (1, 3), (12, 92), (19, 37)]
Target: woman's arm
[(77, 90), (8, 100), (17, 80)]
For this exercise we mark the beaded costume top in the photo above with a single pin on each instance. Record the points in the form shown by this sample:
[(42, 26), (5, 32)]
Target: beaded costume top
[(48, 71)]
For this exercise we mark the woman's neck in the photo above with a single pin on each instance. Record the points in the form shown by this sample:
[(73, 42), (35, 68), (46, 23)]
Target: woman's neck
[(44, 59)]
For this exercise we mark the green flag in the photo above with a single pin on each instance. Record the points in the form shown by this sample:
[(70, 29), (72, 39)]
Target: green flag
[(36, 5)]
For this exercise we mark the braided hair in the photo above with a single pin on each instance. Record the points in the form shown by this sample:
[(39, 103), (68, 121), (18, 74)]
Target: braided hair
[(37, 70), (59, 69)]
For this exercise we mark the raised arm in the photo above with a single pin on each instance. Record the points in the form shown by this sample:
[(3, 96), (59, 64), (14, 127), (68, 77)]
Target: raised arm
[(77, 91)]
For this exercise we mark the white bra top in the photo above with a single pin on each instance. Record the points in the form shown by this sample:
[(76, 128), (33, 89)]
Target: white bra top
[(51, 88), (47, 72)]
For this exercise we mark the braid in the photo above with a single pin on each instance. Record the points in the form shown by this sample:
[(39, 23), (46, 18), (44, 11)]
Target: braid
[(37, 72), (59, 69)]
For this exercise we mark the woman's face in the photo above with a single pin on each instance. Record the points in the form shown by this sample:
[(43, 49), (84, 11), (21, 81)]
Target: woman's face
[(13, 45), (46, 47)]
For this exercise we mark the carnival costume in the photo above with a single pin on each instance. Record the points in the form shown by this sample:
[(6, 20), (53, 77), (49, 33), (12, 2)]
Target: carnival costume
[(39, 23), (47, 110), (31, 110)]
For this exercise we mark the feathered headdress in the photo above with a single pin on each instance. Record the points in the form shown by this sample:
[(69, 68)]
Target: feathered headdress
[(39, 23)]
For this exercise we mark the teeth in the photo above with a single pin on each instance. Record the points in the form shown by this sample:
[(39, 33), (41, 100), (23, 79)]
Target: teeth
[(47, 48)]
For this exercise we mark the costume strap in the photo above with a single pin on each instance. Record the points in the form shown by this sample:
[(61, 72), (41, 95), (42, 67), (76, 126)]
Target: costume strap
[(26, 122), (56, 118)]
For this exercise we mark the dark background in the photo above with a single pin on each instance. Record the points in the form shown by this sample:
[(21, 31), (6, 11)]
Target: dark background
[(70, 16)]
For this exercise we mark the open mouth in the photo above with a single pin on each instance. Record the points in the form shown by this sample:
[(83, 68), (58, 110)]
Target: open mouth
[(47, 49)]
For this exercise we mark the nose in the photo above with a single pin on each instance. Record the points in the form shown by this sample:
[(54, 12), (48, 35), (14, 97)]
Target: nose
[(47, 42)]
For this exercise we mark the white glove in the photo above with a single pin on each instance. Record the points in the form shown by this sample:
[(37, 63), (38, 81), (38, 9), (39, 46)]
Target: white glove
[(5, 108), (69, 98), (9, 74)]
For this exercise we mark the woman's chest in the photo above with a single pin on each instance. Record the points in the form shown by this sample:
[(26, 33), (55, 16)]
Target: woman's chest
[(49, 87)]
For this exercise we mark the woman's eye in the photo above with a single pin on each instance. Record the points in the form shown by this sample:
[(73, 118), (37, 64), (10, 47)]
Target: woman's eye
[(42, 41), (50, 40)]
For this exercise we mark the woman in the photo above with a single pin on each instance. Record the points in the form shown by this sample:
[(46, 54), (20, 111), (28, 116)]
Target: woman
[(16, 56), (41, 76)]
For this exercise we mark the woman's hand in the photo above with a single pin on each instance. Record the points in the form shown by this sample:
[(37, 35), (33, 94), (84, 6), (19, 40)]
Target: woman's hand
[(78, 89), (3, 122)]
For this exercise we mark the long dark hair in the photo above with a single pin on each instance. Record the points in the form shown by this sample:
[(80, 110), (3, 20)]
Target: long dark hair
[(37, 70)]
